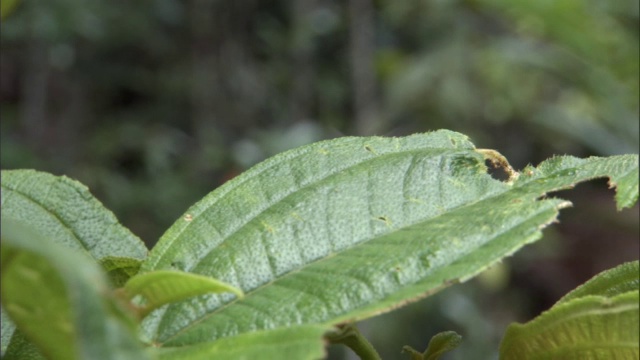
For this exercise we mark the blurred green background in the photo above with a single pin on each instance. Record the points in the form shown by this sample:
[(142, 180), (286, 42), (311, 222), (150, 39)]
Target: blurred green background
[(154, 103)]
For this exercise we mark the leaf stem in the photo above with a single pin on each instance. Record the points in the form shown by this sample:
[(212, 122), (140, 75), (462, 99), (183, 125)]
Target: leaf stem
[(350, 336)]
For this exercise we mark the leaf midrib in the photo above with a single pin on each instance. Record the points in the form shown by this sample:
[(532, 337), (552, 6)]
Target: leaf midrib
[(336, 171)]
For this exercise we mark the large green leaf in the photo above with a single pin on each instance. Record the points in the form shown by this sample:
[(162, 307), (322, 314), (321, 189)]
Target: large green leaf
[(598, 320), (345, 229), (61, 300), (68, 214)]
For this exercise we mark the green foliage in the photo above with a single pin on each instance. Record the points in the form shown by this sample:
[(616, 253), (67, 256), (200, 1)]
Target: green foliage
[(315, 238), (163, 287), (598, 320), (120, 269), (438, 345)]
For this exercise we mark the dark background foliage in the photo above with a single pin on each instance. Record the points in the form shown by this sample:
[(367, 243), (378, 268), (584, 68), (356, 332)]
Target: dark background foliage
[(154, 103)]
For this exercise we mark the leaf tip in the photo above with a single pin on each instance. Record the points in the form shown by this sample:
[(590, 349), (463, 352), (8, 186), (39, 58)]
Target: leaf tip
[(438, 345)]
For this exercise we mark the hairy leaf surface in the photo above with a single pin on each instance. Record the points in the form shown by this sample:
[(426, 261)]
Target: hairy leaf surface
[(590, 327), (67, 213), (345, 229)]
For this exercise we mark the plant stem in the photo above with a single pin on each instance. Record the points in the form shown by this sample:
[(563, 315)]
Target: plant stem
[(350, 336)]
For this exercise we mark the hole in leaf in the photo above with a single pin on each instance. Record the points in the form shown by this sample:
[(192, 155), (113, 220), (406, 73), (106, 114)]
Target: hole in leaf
[(496, 171)]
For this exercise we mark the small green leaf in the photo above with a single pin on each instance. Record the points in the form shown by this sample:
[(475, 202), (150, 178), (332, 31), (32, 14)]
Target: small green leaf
[(60, 299), (438, 345), (298, 342), (120, 269), (441, 343), (167, 286), (598, 320), (413, 353)]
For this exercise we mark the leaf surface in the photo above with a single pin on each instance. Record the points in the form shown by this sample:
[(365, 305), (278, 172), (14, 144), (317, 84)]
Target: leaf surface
[(298, 342), (161, 287), (67, 213), (344, 229), (60, 300)]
